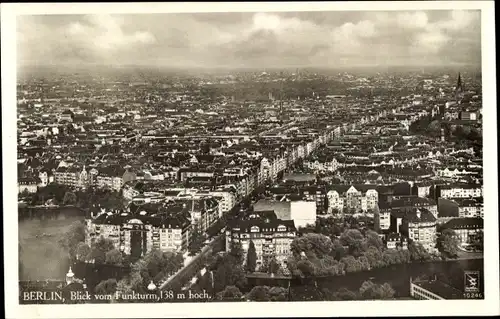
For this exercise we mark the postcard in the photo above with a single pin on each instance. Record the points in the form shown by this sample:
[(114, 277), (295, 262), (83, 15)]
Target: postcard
[(249, 159)]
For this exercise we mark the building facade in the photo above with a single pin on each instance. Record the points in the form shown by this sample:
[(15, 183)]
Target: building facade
[(420, 226), (27, 184), (461, 191), (137, 234), (271, 236), (465, 228), (352, 200), (433, 289), (71, 176)]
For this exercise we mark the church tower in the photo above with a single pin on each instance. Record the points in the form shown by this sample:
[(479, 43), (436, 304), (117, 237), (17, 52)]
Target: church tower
[(459, 88), (70, 276)]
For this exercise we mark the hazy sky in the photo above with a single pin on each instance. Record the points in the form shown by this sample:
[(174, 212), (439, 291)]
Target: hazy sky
[(253, 39)]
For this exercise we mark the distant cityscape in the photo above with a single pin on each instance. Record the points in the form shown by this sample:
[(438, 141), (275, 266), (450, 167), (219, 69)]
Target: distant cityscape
[(192, 167)]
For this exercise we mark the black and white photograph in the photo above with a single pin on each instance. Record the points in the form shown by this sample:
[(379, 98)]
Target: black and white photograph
[(230, 154)]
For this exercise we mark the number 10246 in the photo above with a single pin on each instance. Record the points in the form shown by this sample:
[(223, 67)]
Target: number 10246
[(473, 295)]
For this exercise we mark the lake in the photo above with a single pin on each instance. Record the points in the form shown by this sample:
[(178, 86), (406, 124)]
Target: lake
[(40, 253), (398, 276)]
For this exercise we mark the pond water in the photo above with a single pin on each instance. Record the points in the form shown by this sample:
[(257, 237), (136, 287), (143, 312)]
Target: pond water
[(41, 255), (398, 276)]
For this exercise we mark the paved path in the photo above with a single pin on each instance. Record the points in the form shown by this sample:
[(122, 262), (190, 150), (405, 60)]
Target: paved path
[(190, 264)]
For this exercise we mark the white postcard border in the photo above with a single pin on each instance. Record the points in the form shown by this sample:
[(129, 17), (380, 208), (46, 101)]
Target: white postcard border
[(488, 306)]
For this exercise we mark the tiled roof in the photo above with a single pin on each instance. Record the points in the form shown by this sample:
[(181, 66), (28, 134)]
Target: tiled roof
[(425, 216), (270, 225), (465, 223)]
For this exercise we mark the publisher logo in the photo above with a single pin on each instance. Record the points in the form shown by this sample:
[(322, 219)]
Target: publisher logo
[(471, 281)]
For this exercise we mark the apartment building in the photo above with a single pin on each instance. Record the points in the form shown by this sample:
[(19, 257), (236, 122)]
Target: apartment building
[(27, 184), (465, 228), (461, 191), (137, 233), (72, 176), (419, 225), (352, 198), (271, 236)]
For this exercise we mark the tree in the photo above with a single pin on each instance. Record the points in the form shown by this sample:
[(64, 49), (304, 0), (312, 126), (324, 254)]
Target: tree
[(368, 290), (375, 257), (114, 257), (351, 264), (157, 265), (196, 241), (327, 227), (376, 219), (230, 293), (338, 250), (306, 268), (259, 293), (477, 241), (329, 266), (312, 244), (236, 252), (371, 291), (69, 198), (251, 258), (345, 294), (355, 240), (204, 282), (447, 243), (274, 266), (373, 239), (418, 252), (278, 294), (106, 287), (364, 264), (21, 264), (229, 272), (72, 237), (385, 291), (25, 193), (389, 257), (293, 267), (271, 266), (82, 251), (132, 283), (99, 249)]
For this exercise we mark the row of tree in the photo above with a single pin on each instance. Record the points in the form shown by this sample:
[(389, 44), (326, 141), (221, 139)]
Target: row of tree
[(334, 227), (258, 293), (60, 195), (367, 291), (154, 266), (224, 269), (313, 255), (319, 255), (102, 251)]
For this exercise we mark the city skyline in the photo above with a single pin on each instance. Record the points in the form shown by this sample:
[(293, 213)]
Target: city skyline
[(243, 40)]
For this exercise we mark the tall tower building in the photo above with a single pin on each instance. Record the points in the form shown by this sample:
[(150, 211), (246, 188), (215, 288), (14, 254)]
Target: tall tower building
[(459, 88), (281, 98)]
